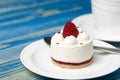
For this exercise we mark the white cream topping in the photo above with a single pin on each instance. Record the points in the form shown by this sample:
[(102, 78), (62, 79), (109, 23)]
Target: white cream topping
[(83, 37), (70, 40), (57, 37)]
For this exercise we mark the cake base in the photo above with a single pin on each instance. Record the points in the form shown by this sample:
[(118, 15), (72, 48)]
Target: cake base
[(72, 66)]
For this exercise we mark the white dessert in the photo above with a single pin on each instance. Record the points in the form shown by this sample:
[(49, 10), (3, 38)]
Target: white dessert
[(74, 50)]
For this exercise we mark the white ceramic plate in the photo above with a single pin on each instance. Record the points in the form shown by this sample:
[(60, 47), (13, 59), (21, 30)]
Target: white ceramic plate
[(36, 57), (88, 24)]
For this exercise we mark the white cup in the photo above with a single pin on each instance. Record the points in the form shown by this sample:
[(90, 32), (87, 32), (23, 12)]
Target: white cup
[(107, 16), (109, 2), (105, 5)]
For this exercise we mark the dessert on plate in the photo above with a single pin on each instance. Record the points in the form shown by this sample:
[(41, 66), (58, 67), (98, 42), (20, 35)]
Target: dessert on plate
[(71, 47)]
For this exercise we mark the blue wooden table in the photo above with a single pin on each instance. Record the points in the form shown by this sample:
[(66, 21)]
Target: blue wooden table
[(25, 21)]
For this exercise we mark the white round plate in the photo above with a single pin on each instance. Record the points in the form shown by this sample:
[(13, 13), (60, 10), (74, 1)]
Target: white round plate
[(36, 58), (88, 24)]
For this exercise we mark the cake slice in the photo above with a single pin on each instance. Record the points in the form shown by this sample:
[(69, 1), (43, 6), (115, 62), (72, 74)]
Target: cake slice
[(71, 47)]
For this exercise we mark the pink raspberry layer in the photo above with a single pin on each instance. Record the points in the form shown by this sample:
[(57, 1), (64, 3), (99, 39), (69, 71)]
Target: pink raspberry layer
[(70, 63)]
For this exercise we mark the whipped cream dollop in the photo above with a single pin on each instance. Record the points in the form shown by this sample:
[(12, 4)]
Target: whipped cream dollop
[(57, 37), (70, 40), (83, 36)]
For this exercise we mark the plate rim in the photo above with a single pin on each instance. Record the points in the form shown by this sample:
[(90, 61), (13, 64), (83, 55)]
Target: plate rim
[(97, 36), (32, 69)]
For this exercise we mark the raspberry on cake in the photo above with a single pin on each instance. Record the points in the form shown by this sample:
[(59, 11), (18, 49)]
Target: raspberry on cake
[(70, 29), (72, 47)]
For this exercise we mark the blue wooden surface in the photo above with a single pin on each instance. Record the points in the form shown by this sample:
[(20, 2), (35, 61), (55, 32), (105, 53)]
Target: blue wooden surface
[(25, 21)]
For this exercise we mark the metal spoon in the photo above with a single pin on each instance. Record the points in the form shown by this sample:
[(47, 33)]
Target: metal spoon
[(105, 49)]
